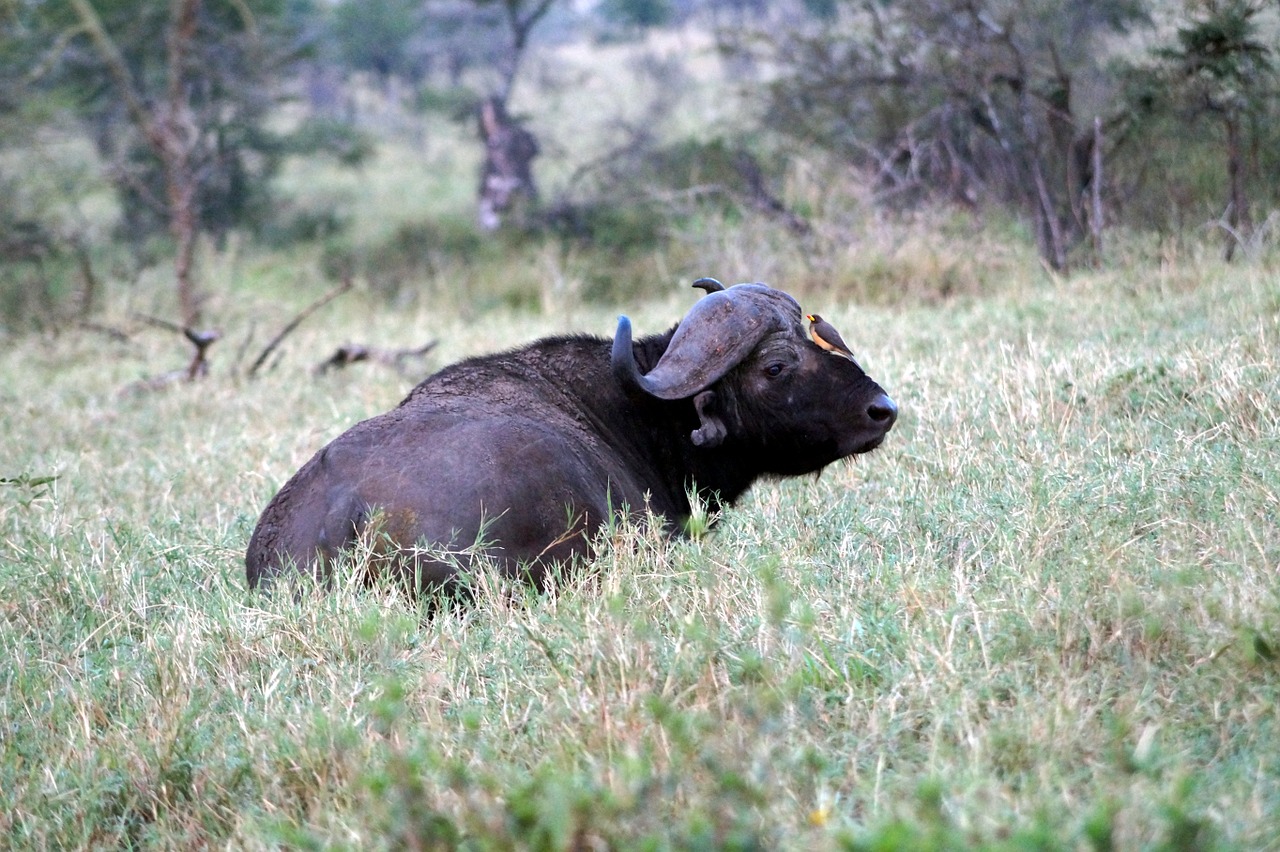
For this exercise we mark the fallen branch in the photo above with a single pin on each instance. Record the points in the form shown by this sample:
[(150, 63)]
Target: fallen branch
[(154, 383), (297, 321), (355, 352), (202, 340), (242, 351), (160, 323), (199, 366), (119, 335)]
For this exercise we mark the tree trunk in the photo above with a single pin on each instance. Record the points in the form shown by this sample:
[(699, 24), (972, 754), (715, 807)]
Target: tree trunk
[(1238, 219), (507, 173), (520, 25), (1095, 187), (177, 135), (1052, 247), (170, 131)]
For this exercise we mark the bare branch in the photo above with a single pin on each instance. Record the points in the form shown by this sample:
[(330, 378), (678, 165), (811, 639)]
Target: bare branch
[(160, 323), (54, 54), (1095, 220), (177, 137), (290, 326), (520, 27), (119, 335), (201, 339)]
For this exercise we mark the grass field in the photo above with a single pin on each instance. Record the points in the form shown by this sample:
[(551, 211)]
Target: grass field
[(1046, 614)]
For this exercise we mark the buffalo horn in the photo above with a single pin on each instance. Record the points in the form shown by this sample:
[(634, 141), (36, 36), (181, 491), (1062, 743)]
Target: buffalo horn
[(716, 334)]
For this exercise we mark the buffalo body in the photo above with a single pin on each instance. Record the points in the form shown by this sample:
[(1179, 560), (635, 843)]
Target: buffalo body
[(528, 452)]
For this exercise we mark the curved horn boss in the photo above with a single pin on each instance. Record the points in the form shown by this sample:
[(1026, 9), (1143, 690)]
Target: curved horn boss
[(716, 334)]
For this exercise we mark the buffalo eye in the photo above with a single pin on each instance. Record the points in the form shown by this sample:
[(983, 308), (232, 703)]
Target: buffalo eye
[(774, 370)]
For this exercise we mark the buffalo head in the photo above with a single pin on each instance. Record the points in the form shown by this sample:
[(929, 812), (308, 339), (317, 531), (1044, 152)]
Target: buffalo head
[(756, 379)]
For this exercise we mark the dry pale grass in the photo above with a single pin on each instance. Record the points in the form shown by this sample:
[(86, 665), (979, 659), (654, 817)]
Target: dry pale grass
[(1045, 614)]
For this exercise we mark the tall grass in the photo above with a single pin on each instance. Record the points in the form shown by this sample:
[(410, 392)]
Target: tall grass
[(1045, 615)]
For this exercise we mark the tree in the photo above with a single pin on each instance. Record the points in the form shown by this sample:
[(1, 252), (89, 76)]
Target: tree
[(408, 38), (176, 97), (520, 17), (168, 128), (971, 99), (1219, 68), (507, 174), (507, 171), (637, 14)]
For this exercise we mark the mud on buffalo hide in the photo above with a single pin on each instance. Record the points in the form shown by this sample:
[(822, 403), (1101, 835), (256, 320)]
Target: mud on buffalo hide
[(528, 452)]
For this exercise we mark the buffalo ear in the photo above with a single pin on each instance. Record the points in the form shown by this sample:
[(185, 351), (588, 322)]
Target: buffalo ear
[(712, 431)]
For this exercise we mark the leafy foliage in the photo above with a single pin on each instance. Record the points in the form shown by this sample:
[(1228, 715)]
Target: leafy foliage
[(638, 14), (1220, 69), (970, 101), (231, 81), (377, 35)]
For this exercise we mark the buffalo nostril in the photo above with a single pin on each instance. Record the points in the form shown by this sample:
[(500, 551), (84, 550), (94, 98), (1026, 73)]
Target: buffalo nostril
[(883, 411)]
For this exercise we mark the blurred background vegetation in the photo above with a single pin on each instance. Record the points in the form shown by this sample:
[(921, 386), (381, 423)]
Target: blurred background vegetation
[(483, 152)]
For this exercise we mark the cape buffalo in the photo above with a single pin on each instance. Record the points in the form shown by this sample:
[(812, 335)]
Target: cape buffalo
[(531, 450)]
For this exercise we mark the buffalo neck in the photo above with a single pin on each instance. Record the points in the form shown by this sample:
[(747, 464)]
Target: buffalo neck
[(655, 435)]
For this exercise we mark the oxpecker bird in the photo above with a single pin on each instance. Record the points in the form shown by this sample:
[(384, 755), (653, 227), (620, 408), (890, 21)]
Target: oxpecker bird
[(825, 335)]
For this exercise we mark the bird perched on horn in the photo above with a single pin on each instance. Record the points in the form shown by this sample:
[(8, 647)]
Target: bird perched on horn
[(825, 335)]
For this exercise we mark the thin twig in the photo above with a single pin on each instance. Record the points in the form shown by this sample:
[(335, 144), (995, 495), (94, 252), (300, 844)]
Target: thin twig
[(243, 349), (117, 334), (1095, 220), (297, 321), (167, 325)]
